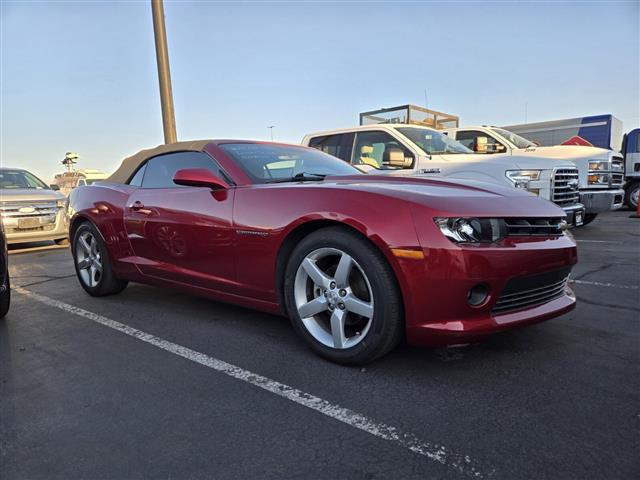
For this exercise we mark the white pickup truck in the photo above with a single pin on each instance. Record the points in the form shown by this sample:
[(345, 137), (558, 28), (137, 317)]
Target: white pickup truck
[(601, 171), (407, 149)]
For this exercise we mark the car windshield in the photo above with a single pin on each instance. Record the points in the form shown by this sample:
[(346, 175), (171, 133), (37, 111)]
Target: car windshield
[(517, 140), (269, 163), (433, 142), (14, 179)]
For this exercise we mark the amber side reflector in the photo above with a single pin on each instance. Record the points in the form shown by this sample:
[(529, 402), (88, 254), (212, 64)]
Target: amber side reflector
[(403, 253)]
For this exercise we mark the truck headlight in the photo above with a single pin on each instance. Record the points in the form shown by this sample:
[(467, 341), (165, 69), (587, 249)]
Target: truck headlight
[(521, 178), (598, 178), (598, 166), (471, 230)]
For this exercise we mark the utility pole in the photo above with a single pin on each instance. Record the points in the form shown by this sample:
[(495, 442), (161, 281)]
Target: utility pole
[(164, 75), (270, 127)]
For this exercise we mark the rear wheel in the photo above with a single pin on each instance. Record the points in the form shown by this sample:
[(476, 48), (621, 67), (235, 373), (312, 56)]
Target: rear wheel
[(342, 297), (92, 263), (588, 218)]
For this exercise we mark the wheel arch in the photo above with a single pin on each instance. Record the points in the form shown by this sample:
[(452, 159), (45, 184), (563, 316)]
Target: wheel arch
[(303, 230)]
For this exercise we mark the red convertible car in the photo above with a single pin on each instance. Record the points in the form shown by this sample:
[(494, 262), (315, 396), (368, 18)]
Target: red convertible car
[(358, 262)]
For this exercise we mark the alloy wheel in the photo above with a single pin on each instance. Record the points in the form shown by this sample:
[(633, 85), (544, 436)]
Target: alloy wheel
[(88, 259), (334, 298)]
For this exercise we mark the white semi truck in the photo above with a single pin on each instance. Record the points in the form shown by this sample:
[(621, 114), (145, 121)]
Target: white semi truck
[(415, 150), (600, 171)]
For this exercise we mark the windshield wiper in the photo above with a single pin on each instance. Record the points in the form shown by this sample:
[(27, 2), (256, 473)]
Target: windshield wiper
[(302, 176)]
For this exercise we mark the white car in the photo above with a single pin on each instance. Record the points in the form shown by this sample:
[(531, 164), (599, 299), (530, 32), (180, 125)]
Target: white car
[(407, 149), (31, 210), (601, 171)]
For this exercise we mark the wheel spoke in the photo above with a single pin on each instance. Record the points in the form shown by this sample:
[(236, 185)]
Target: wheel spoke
[(317, 275), (359, 307), (343, 270), (84, 264), (92, 275), (313, 307), (94, 246), (337, 328), (85, 245)]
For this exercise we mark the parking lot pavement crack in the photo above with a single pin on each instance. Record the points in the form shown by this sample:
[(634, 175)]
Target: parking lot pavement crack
[(47, 279), (435, 452), (608, 305), (595, 270)]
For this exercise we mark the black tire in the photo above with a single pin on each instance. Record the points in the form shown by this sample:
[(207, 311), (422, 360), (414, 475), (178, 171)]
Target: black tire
[(62, 241), (588, 218), (629, 192), (108, 284), (387, 323), (5, 297)]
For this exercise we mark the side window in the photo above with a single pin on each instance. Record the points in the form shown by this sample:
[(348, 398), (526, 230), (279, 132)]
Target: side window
[(479, 142), (336, 145), (380, 150), (160, 170), (136, 181)]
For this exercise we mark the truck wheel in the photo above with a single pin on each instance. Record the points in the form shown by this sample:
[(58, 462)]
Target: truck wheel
[(631, 195), (588, 218), (342, 297), (92, 263)]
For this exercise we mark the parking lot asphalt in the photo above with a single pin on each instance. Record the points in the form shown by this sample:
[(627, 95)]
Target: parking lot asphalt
[(154, 383)]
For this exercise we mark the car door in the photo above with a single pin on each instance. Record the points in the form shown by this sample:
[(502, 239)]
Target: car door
[(179, 233)]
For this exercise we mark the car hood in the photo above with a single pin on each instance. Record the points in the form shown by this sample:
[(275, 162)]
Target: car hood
[(29, 195), (444, 196), (510, 162), (566, 152)]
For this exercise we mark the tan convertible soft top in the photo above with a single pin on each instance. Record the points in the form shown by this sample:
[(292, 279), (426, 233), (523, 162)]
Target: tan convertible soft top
[(130, 164)]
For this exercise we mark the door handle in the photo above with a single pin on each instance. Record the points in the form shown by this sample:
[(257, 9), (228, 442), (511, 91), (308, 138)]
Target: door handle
[(137, 205)]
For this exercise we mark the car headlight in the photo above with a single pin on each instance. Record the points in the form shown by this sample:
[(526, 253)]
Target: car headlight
[(598, 179), (521, 178), (598, 166), (472, 230)]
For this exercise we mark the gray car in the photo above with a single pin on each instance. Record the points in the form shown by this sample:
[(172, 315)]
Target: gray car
[(31, 210)]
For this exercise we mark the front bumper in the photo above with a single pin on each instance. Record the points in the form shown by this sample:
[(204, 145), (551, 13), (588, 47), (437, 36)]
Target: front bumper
[(435, 290), (575, 214), (59, 230), (598, 201)]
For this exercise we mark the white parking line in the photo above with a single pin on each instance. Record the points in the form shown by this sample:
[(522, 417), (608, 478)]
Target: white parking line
[(437, 453), (602, 284)]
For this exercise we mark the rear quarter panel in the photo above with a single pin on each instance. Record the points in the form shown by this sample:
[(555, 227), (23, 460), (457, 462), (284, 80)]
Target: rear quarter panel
[(103, 205)]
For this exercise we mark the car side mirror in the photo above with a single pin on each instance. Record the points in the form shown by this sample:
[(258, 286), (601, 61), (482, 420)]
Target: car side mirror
[(55, 187), (199, 177)]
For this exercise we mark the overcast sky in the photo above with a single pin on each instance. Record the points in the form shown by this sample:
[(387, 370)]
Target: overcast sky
[(81, 76)]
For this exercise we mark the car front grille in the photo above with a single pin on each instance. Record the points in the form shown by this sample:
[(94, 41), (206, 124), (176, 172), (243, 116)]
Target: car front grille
[(10, 209), (565, 186), (528, 227), (532, 291)]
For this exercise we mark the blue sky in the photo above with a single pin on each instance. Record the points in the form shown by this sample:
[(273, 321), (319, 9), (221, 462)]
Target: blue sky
[(81, 76)]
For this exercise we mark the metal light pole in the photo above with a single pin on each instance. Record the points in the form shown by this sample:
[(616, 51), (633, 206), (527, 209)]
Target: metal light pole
[(164, 75), (270, 127)]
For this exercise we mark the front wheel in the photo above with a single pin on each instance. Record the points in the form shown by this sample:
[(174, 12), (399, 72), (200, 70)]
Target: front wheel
[(342, 297), (92, 263), (631, 195)]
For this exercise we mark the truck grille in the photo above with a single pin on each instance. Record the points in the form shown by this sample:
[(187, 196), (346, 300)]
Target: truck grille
[(531, 291), (527, 227), (617, 172), (565, 186)]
